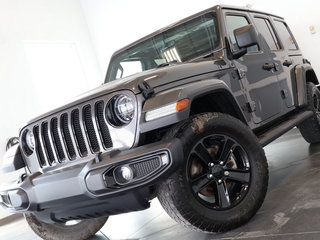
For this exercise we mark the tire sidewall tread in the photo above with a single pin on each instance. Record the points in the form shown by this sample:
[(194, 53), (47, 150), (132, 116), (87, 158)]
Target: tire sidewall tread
[(310, 128), (85, 229), (178, 200)]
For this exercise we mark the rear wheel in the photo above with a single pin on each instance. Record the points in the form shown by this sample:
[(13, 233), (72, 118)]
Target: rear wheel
[(310, 128), (71, 230), (224, 178)]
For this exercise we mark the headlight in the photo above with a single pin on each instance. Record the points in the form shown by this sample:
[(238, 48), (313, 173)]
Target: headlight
[(120, 110), (28, 142), (124, 108)]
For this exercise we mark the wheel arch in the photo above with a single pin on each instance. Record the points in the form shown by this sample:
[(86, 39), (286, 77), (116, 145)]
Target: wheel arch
[(220, 100), (312, 77), (212, 95)]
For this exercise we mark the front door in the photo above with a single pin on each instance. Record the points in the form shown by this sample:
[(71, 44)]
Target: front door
[(259, 75)]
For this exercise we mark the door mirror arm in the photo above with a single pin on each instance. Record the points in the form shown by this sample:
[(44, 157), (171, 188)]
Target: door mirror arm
[(234, 55), (238, 54)]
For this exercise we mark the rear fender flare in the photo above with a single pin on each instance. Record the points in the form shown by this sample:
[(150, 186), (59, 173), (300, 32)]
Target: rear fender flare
[(303, 73)]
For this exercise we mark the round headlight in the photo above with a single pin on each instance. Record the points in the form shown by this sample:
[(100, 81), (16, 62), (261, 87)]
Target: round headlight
[(28, 142), (124, 108), (120, 110)]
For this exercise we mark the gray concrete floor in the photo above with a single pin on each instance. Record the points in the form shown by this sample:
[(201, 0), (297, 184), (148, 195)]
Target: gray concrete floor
[(291, 209)]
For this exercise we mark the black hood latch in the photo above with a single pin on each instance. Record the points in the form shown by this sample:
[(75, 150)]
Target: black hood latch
[(146, 89)]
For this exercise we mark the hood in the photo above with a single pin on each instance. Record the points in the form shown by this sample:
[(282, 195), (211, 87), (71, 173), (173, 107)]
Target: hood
[(154, 77)]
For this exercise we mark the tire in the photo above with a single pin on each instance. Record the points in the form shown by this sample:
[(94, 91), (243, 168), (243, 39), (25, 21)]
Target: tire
[(310, 128), (215, 190), (83, 230)]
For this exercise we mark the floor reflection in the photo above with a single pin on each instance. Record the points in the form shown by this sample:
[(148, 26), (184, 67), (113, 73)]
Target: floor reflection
[(291, 209)]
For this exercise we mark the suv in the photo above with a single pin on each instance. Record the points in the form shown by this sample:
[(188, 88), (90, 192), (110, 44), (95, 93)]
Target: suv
[(183, 116)]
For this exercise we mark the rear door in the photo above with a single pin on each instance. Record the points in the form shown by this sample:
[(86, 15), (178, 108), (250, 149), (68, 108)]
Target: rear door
[(259, 80), (288, 57)]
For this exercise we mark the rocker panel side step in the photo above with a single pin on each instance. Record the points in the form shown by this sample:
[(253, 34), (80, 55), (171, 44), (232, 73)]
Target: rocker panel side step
[(278, 130)]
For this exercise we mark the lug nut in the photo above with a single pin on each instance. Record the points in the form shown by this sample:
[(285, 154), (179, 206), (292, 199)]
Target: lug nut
[(211, 164), (221, 163), (219, 181), (226, 173), (210, 176)]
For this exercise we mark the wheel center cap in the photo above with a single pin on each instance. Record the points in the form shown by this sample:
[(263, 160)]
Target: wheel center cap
[(217, 171)]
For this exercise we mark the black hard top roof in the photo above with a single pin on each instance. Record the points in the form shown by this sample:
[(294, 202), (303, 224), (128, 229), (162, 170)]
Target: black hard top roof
[(214, 8)]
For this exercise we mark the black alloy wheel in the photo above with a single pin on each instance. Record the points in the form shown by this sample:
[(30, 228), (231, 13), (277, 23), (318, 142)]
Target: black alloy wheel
[(218, 172), (223, 179)]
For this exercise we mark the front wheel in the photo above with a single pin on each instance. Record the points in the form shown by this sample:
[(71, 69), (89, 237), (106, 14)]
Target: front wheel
[(224, 178), (72, 230)]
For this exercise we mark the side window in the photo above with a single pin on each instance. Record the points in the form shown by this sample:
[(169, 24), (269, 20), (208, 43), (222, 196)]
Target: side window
[(234, 22), (286, 35), (265, 28)]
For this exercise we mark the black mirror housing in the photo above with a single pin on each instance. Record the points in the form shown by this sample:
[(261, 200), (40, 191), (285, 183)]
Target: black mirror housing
[(245, 36)]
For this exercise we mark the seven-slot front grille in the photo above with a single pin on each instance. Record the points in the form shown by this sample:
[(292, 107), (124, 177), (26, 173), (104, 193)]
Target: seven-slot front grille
[(71, 135)]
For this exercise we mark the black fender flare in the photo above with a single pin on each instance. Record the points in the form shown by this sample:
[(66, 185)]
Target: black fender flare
[(12, 160), (191, 91), (301, 73)]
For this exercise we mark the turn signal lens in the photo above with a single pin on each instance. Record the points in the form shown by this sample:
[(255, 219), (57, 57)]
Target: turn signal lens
[(167, 109), (182, 104)]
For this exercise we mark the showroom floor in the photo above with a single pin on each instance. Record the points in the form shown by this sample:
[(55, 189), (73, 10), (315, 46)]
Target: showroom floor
[(291, 209)]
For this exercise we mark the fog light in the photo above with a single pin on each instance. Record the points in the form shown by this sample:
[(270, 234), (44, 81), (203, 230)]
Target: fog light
[(126, 173), (123, 174), (18, 199)]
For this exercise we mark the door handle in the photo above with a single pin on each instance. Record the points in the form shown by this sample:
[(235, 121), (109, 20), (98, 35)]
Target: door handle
[(287, 62), (268, 66)]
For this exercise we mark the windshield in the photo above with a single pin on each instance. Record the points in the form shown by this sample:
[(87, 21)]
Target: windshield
[(181, 43)]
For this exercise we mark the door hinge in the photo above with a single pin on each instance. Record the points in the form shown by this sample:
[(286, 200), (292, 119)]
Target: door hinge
[(241, 73), (250, 106), (284, 93)]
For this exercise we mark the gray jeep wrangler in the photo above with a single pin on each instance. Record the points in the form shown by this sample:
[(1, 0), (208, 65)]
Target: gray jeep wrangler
[(183, 116)]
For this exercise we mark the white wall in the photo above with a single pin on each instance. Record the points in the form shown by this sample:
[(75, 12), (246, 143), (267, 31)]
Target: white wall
[(113, 24), (48, 21)]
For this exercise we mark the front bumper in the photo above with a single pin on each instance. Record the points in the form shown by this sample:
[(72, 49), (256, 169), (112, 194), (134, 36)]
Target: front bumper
[(92, 189)]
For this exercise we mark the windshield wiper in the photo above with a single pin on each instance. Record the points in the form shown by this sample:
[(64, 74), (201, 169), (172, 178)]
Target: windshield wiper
[(167, 64)]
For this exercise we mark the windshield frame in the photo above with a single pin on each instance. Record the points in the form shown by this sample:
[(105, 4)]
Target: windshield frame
[(219, 46)]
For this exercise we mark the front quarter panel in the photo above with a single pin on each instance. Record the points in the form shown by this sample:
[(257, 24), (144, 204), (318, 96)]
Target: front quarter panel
[(191, 91)]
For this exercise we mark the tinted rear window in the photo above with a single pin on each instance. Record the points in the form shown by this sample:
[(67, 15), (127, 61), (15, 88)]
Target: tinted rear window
[(285, 35)]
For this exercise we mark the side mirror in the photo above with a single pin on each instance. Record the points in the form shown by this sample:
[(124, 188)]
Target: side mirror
[(245, 36)]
